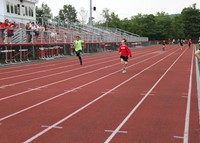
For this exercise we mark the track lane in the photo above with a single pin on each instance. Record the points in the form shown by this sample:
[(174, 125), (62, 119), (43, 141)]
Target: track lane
[(45, 91), (78, 114)]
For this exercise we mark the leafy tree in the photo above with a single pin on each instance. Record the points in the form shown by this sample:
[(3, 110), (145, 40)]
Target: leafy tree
[(178, 27), (43, 13), (106, 16), (191, 18), (163, 26), (68, 13), (114, 21)]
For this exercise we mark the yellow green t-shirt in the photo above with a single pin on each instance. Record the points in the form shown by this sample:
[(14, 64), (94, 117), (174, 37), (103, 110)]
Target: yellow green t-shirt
[(78, 44)]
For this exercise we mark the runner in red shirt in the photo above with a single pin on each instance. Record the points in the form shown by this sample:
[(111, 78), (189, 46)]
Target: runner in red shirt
[(124, 53)]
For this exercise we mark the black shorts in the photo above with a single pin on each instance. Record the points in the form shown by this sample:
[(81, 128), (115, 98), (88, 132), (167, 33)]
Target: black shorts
[(125, 58), (78, 53)]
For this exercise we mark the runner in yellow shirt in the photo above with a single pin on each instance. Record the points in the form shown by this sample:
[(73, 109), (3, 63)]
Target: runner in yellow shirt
[(78, 48)]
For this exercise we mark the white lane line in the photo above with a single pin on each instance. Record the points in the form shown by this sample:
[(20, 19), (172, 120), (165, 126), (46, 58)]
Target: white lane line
[(140, 103), (56, 127), (187, 116), (93, 101), (111, 131), (178, 137), (44, 86)]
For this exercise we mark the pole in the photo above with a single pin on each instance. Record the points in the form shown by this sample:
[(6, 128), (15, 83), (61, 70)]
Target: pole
[(90, 18)]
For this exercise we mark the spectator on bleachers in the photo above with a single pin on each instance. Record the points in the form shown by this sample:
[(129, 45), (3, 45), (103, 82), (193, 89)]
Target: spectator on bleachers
[(54, 35), (35, 31), (10, 31), (28, 32), (65, 37), (3, 26), (45, 32)]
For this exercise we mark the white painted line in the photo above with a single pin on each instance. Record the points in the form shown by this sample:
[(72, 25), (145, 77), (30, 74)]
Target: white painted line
[(141, 101), (32, 89), (111, 131), (151, 94), (178, 137), (56, 127), (95, 100), (187, 116)]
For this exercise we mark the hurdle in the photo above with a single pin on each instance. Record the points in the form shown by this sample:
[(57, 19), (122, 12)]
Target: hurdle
[(23, 53)]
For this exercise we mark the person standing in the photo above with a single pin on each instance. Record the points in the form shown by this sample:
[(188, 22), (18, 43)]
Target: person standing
[(189, 43), (124, 53), (78, 48), (163, 45), (10, 31), (3, 27)]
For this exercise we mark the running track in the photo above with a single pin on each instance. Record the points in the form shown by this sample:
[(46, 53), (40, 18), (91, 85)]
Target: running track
[(62, 102)]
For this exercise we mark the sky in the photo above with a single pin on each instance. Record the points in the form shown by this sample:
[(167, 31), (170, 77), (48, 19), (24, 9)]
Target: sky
[(123, 8)]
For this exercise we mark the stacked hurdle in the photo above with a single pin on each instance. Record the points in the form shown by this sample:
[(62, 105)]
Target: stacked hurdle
[(23, 53), (9, 56), (51, 52)]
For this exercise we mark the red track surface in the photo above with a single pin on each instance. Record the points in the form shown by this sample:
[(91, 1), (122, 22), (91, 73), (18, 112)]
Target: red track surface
[(62, 102)]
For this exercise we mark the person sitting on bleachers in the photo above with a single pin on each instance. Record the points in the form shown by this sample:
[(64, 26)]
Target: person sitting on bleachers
[(28, 32), (35, 31)]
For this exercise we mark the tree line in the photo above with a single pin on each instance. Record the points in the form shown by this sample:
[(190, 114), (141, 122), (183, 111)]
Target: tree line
[(157, 27)]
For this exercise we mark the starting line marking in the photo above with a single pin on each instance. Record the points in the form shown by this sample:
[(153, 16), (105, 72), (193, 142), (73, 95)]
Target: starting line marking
[(122, 132), (55, 127), (145, 92), (178, 137)]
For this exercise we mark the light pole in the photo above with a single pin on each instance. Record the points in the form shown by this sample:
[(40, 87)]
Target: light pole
[(90, 18)]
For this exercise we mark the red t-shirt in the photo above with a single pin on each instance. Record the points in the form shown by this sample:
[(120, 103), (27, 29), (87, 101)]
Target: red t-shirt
[(4, 25), (124, 51)]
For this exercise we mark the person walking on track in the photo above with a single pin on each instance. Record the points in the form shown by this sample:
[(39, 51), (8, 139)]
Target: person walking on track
[(124, 53), (163, 45), (189, 43), (78, 48)]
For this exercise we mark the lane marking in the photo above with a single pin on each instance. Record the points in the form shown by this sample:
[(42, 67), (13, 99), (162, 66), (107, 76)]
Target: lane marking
[(55, 127), (93, 101), (178, 137), (187, 116), (111, 131)]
